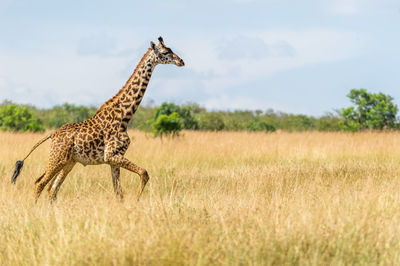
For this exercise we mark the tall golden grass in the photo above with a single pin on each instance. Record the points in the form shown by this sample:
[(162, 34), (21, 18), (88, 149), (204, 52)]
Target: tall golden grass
[(213, 198)]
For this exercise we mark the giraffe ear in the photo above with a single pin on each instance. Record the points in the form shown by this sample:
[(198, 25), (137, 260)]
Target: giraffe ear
[(160, 39), (154, 48)]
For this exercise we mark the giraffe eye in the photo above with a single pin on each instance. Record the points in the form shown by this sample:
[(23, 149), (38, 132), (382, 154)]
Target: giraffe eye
[(168, 51)]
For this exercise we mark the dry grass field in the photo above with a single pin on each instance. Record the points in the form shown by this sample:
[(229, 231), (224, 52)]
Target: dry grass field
[(213, 198)]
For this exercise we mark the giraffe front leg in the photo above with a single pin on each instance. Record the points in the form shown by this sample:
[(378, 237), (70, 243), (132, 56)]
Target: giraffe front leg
[(120, 161), (115, 172)]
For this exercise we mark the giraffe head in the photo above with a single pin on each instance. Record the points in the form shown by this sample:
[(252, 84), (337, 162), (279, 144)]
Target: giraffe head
[(164, 54)]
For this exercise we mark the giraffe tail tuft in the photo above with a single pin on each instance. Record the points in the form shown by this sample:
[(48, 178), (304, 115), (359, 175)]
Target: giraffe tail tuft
[(19, 164), (17, 170)]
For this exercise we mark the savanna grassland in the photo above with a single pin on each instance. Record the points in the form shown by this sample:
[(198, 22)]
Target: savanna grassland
[(213, 198)]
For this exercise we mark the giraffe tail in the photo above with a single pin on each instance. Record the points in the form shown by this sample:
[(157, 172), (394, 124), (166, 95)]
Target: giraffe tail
[(19, 164)]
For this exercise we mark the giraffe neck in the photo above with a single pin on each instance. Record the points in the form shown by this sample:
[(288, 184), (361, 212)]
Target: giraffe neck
[(128, 99)]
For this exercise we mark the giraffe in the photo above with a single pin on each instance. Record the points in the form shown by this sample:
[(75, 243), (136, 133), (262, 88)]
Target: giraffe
[(102, 139)]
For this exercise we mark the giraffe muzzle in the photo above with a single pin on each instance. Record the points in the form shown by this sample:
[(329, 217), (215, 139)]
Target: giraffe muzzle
[(180, 63)]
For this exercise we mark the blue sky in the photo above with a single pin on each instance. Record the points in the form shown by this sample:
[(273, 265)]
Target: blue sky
[(290, 55)]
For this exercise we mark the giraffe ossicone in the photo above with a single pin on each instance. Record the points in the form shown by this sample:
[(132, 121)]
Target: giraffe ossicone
[(102, 139)]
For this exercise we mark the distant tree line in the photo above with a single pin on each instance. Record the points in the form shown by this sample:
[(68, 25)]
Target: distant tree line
[(370, 112)]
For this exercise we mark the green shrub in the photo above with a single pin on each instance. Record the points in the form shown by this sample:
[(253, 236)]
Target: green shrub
[(328, 122), (211, 121), (167, 125), (260, 126), (184, 112), (18, 118)]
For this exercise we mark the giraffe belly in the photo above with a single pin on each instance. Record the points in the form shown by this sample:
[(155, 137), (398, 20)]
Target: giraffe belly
[(88, 155)]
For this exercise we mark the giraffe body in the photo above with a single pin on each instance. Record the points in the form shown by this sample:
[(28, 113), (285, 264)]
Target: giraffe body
[(102, 139)]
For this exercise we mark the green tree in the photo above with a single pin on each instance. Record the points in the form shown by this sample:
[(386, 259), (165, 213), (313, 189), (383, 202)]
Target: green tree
[(371, 111), (258, 125), (167, 125), (185, 113), (18, 118), (66, 114), (211, 121)]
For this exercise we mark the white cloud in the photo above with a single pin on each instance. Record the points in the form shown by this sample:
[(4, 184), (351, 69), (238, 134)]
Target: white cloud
[(235, 102), (302, 48), (96, 44), (245, 102), (63, 75), (285, 50), (63, 72), (243, 47)]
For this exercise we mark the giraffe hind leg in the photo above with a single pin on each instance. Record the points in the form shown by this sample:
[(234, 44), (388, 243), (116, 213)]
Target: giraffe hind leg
[(59, 157), (50, 172), (39, 178), (57, 181)]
